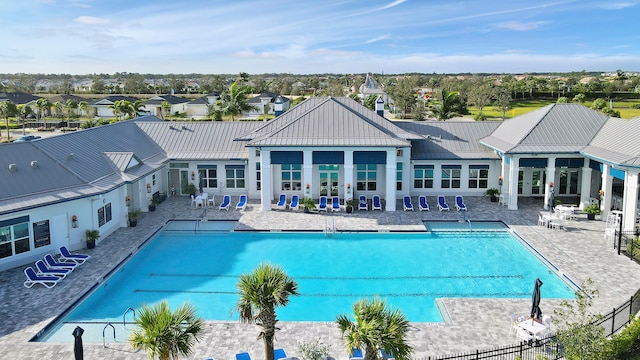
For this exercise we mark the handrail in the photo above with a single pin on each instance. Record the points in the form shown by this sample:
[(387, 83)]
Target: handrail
[(104, 342), (125, 314)]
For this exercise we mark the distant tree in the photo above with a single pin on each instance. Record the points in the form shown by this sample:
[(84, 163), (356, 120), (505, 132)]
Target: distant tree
[(23, 112), (599, 104), (243, 78), (43, 106), (562, 100), (503, 101), (370, 101), (286, 88), (419, 110), (137, 106), (98, 86), (610, 112), (480, 94), (71, 107), (165, 109), (58, 106), (234, 101), (446, 108), (7, 109), (355, 97), (579, 98), (403, 94)]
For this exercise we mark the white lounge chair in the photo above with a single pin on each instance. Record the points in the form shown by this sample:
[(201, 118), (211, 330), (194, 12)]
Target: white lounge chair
[(66, 256), (242, 202), (335, 203), (363, 205), (33, 278), (408, 206), (442, 204), (422, 203), (295, 202), (282, 202), (376, 205), (460, 205), (322, 205), (226, 202)]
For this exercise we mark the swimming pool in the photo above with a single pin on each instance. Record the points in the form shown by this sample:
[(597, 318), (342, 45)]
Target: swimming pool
[(409, 270)]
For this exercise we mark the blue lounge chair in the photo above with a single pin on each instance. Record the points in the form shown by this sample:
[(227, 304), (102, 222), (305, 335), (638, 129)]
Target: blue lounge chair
[(282, 203), (295, 202), (53, 264), (356, 354), (279, 354), (376, 205), (407, 203), (363, 205), (442, 203), (422, 203), (335, 203), (322, 206), (243, 356), (460, 203), (386, 355), (33, 278), (66, 256), (43, 270), (242, 202), (226, 201)]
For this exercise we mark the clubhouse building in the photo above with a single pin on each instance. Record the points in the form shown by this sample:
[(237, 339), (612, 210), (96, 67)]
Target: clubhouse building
[(55, 188)]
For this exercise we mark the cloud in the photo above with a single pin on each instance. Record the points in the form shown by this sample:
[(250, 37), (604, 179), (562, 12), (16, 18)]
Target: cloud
[(376, 39), (392, 4), (91, 20), (520, 26), (617, 6)]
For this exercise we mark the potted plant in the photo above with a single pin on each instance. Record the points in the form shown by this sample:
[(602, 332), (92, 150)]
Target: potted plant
[(309, 204), (493, 193), (349, 205), (133, 217), (92, 236), (591, 211), (190, 189), (153, 204)]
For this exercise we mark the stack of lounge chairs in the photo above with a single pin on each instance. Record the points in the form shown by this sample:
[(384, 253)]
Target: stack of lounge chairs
[(49, 271)]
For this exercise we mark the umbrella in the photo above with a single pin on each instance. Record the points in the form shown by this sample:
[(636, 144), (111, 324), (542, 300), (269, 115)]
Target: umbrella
[(77, 345), (535, 300)]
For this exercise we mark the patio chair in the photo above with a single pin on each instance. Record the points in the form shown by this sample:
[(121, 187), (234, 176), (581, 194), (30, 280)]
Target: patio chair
[(226, 201), (43, 270), (66, 256), (53, 264), (282, 202), (243, 356), (335, 203), (363, 205), (242, 202), (408, 206), (33, 278), (295, 202), (322, 205), (376, 205), (356, 354), (211, 201), (442, 204), (422, 203), (460, 205), (279, 354)]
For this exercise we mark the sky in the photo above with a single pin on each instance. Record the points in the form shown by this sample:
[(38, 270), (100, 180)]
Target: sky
[(318, 36)]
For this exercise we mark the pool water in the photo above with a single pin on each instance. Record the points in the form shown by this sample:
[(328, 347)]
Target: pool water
[(409, 270)]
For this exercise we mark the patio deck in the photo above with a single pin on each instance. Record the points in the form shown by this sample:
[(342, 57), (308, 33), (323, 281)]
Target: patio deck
[(580, 251)]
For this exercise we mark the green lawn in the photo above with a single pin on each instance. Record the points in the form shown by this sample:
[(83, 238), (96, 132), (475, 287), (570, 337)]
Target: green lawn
[(522, 107)]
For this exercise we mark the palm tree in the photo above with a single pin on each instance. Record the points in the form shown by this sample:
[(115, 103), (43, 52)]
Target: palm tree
[(261, 292), (43, 105), (137, 107), (165, 109), (71, 106), (7, 108), (376, 328), (164, 333), (445, 110), (234, 101)]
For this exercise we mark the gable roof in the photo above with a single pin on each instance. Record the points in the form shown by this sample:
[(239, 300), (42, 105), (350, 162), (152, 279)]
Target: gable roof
[(18, 98), (272, 97), (111, 99), (64, 97), (450, 140), (556, 128), (329, 121), (617, 142), (370, 86), (171, 99)]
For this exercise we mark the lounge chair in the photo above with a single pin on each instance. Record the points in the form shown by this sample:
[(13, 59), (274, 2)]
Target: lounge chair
[(66, 256), (407, 203), (335, 203), (376, 205), (442, 204), (53, 264), (279, 354), (460, 203), (422, 203), (295, 202), (282, 203), (363, 205), (242, 202), (322, 205), (386, 355), (33, 278), (43, 270), (243, 356), (226, 201), (356, 354)]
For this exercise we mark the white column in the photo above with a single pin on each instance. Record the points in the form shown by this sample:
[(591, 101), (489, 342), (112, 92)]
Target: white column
[(504, 172), (630, 201), (349, 186), (307, 173), (585, 186), (551, 178), (607, 184), (390, 173), (514, 167), (265, 170)]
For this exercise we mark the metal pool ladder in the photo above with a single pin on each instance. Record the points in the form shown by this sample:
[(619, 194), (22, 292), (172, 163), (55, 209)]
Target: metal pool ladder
[(329, 230)]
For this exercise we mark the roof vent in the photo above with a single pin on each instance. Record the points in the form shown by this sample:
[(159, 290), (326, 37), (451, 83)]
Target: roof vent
[(12, 167), (172, 128), (184, 127), (70, 156), (34, 164)]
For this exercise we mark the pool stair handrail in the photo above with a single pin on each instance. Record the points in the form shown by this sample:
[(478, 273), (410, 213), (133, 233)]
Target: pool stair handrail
[(104, 341), (129, 309), (329, 230)]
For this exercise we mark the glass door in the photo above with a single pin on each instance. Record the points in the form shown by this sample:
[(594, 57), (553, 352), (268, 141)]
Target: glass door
[(537, 181), (329, 180)]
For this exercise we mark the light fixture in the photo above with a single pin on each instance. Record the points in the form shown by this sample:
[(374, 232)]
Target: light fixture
[(148, 187), (307, 188), (193, 175), (349, 188), (128, 200), (74, 221), (500, 180)]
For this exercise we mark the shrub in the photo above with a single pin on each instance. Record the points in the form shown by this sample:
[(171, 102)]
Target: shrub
[(623, 342), (313, 350)]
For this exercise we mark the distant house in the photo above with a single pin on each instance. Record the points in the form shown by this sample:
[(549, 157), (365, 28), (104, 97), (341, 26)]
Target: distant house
[(153, 106), (265, 104), (199, 108), (19, 98), (102, 106), (371, 87), (63, 98)]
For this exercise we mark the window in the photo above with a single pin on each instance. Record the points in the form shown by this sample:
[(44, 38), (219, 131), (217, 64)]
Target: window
[(14, 236), (450, 177), (235, 176), (208, 175), (399, 176), (366, 176), (478, 176), (41, 233), (258, 177), (104, 214), (291, 177), (153, 179), (179, 165), (423, 176)]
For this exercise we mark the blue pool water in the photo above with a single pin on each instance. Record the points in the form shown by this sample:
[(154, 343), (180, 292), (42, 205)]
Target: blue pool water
[(409, 270)]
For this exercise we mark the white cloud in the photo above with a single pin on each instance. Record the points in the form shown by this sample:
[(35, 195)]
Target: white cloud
[(376, 39), (616, 6), (521, 26), (91, 20)]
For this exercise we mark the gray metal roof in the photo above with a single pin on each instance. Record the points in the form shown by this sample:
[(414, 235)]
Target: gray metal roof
[(617, 142), (556, 128), (171, 99), (328, 121), (450, 140), (200, 140)]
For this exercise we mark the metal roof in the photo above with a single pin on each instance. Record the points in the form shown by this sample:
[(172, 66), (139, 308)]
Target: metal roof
[(556, 128), (328, 121), (450, 140), (617, 142), (171, 99)]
